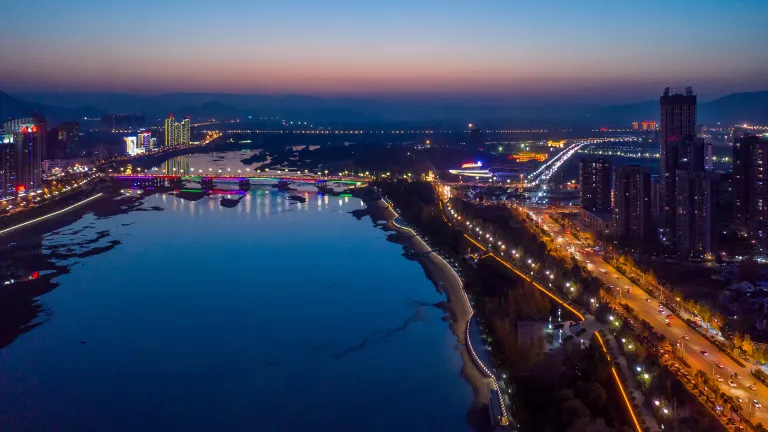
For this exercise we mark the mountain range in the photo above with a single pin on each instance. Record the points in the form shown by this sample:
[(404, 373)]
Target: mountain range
[(736, 108)]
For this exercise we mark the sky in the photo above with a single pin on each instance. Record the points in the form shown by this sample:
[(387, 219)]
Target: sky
[(571, 49)]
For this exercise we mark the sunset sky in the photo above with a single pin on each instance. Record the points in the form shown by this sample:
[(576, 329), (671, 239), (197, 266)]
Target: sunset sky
[(579, 49)]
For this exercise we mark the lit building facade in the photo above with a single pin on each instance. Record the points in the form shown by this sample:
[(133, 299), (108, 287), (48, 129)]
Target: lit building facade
[(750, 187), (595, 182), (7, 165), (177, 133), (693, 227), (677, 124), (632, 202)]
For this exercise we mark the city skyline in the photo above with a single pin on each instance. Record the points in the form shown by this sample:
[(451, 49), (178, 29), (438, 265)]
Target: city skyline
[(599, 51)]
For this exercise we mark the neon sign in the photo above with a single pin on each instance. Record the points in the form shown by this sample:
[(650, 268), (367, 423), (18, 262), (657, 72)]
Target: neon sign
[(472, 164), (28, 128)]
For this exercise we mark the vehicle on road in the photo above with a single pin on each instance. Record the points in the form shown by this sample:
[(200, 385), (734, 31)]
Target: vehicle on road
[(604, 271), (753, 387), (648, 300), (719, 365), (719, 378), (686, 337), (731, 383), (756, 403), (740, 400), (704, 353), (669, 324)]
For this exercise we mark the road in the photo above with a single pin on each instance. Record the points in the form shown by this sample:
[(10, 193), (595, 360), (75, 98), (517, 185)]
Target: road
[(649, 310)]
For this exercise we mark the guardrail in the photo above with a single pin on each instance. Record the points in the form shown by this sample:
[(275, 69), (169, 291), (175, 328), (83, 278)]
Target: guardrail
[(504, 421)]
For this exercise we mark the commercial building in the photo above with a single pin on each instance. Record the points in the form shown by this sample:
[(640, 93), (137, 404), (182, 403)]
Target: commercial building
[(7, 165), (131, 145), (144, 141), (677, 124), (23, 143), (595, 183), (750, 187), (632, 202)]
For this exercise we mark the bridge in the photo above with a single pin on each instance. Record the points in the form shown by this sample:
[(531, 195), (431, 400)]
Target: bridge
[(243, 181)]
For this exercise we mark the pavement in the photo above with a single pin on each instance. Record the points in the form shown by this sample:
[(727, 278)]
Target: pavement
[(647, 308)]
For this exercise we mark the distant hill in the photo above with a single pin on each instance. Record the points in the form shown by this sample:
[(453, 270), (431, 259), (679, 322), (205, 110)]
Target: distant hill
[(14, 107), (751, 107), (736, 108)]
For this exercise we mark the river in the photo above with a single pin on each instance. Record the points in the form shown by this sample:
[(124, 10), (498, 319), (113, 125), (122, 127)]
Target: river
[(269, 316)]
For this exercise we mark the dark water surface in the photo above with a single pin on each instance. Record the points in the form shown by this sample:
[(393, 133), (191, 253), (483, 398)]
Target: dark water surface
[(269, 316)]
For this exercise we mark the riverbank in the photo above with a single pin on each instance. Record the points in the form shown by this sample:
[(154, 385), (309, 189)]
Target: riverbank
[(446, 281)]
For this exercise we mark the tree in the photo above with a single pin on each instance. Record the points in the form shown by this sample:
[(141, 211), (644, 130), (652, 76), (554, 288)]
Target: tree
[(704, 314), (737, 340), (747, 345)]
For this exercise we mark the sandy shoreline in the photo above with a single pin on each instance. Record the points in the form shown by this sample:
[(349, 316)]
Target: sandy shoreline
[(437, 270)]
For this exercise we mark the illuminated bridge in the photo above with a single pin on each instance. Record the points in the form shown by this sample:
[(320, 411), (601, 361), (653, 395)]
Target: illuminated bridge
[(242, 180)]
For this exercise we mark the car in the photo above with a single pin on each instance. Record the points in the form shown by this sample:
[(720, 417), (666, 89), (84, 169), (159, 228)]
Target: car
[(604, 271), (740, 400), (686, 337), (704, 353), (753, 387), (669, 324), (671, 316), (719, 378), (719, 365), (731, 383), (756, 403), (618, 277), (648, 300)]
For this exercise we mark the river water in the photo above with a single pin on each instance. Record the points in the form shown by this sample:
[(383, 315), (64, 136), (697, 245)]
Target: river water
[(269, 316)]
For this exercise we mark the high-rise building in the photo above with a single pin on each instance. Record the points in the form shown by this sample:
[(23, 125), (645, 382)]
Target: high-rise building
[(170, 132), (177, 133), (184, 138), (750, 187), (29, 141), (144, 141), (677, 124), (595, 182), (693, 225), (632, 202), (131, 145), (7, 165), (635, 126)]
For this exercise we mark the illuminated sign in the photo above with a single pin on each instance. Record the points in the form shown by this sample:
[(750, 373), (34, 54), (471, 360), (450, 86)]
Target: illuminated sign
[(20, 189), (472, 164)]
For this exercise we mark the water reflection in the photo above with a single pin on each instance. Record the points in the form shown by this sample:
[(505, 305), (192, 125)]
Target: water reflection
[(202, 317)]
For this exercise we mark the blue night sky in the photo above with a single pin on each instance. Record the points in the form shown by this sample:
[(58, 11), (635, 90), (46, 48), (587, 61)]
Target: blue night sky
[(574, 48)]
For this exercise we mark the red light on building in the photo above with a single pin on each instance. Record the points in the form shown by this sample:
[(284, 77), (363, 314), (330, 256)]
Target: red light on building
[(20, 189), (35, 275)]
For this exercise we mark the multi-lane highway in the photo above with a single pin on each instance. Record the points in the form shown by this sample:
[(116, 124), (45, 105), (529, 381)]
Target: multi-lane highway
[(694, 345)]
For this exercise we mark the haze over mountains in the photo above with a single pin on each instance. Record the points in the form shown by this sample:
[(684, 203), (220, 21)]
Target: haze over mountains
[(736, 108)]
